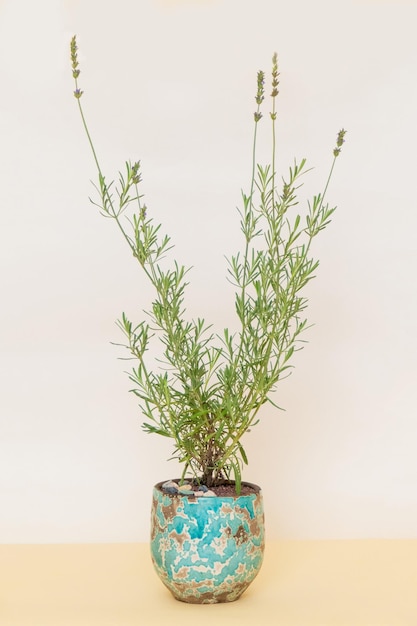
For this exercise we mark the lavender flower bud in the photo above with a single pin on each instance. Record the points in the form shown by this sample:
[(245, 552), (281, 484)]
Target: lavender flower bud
[(339, 142), (260, 93)]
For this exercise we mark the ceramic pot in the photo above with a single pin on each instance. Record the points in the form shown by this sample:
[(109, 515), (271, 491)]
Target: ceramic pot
[(207, 549)]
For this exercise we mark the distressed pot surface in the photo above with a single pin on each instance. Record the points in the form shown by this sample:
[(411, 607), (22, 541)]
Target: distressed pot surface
[(207, 549)]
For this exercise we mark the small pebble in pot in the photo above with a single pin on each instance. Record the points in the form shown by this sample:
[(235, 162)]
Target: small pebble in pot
[(185, 490), (170, 487)]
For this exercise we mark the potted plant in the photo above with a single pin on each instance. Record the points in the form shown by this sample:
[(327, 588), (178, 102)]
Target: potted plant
[(208, 525)]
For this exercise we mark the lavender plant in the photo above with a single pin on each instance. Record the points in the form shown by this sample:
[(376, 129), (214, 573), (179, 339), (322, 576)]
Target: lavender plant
[(209, 389)]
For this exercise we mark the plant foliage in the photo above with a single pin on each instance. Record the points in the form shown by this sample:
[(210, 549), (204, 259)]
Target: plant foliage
[(209, 388)]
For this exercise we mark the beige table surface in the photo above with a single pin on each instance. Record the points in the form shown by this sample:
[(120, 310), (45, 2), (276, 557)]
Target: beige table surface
[(325, 583)]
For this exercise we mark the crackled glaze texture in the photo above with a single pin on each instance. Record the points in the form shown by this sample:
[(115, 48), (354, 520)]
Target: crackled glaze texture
[(207, 550)]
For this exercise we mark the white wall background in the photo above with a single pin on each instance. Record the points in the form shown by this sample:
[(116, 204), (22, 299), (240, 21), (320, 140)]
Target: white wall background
[(172, 83)]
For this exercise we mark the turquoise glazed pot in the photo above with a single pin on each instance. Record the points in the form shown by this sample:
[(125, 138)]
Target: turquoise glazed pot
[(207, 549)]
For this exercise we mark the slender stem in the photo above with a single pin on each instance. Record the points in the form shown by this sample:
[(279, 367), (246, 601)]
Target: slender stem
[(248, 211), (327, 183), (273, 116), (87, 132)]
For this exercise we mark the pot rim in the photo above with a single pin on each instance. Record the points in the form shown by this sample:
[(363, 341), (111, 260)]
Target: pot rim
[(257, 490)]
